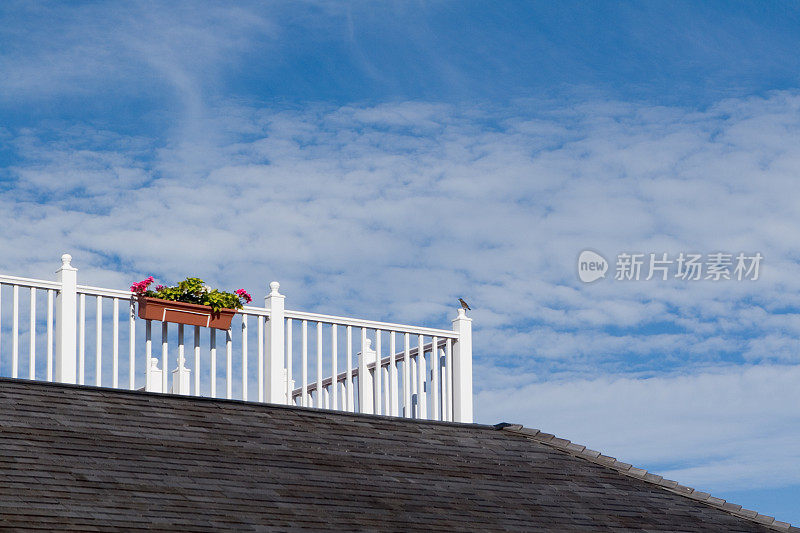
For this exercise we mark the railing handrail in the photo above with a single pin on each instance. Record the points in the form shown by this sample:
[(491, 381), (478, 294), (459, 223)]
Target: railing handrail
[(101, 291), (30, 282), (92, 290), (371, 324), (250, 310), (386, 361)]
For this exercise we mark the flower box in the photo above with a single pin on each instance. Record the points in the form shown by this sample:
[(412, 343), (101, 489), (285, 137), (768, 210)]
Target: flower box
[(184, 313)]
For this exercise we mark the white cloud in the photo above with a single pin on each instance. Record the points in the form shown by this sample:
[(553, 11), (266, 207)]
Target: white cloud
[(413, 203), (727, 428)]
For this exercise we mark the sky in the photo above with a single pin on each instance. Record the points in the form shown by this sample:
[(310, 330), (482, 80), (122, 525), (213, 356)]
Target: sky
[(382, 159)]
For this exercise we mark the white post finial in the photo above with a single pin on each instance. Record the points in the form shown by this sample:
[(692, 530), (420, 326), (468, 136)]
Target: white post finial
[(462, 368), (181, 378), (289, 386), (275, 357), (66, 321), (366, 377), (154, 377)]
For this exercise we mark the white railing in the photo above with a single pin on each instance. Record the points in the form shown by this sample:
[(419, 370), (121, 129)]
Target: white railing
[(355, 365)]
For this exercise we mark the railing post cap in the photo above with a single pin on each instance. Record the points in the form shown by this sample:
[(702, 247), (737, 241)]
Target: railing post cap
[(66, 262), (273, 288), (462, 315)]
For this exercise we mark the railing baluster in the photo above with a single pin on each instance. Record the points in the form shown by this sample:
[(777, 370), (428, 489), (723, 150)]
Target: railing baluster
[(414, 390), (378, 396), (442, 385), (406, 377), (333, 391), (132, 346), (363, 376), (260, 343), (319, 365), (32, 347), (244, 357), (50, 297), (348, 384), (435, 378), (289, 357), (422, 407), (98, 349), (393, 394), (197, 360), (115, 351), (386, 398), (15, 333), (212, 340), (148, 351), (177, 378), (180, 376), (82, 340), (229, 363), (304, 363), (164, 357), (1, 319), (448, 364)]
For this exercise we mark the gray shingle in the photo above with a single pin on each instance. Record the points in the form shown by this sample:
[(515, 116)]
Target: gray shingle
[(79, 458)]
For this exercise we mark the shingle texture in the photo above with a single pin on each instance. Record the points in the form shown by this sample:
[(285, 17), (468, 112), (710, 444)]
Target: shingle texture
[(74, 458)]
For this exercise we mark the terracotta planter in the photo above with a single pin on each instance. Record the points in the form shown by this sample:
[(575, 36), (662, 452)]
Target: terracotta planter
[(184, 313)]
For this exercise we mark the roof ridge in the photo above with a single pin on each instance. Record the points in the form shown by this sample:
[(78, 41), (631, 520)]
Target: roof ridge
[(640, 473)]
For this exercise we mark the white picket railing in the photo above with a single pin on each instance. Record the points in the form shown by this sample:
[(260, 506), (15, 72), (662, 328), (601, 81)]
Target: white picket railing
[(355, 365)]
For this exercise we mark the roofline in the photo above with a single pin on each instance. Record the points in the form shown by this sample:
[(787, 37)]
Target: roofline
[(629, 470), (183, 397)]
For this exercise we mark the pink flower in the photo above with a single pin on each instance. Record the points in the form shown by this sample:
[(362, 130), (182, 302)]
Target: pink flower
[(159, 287), (141, 286), (241, 293)]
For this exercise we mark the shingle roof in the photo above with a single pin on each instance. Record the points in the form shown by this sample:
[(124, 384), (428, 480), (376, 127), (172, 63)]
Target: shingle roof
[(101, 459)]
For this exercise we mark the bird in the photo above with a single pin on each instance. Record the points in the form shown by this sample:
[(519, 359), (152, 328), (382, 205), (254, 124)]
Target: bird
[(464, 304)]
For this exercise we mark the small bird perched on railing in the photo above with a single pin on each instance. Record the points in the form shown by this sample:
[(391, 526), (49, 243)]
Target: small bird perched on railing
[(464, 305)]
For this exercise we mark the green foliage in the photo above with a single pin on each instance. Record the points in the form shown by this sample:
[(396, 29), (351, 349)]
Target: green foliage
[(195, 291)]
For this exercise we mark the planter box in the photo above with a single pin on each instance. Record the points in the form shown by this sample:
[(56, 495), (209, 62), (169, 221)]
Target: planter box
[(184, 313)]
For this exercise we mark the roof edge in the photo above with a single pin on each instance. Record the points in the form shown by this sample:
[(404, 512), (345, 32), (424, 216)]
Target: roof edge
[(254, 403), (629, 470)]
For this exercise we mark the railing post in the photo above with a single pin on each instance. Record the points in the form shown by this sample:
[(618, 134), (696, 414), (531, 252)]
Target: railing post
[(66, 321), (275, 356), (462, 368)]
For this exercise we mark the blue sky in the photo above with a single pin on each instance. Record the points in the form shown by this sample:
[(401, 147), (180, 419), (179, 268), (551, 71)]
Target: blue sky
[(382, 159)]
